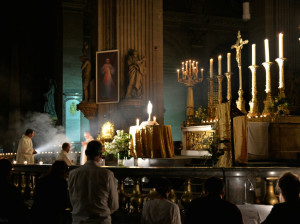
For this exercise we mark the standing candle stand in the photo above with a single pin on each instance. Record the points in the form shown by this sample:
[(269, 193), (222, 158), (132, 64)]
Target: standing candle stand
[(228, 76), (253, 103), (220, 98), (269, 101), (280, 62), (189, 78)]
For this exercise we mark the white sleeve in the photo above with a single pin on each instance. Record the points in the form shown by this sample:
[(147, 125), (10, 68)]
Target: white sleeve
[(26, 146), (113, 200)]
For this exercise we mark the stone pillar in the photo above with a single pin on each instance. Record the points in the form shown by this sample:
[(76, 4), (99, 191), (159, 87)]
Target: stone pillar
[(133, 24)]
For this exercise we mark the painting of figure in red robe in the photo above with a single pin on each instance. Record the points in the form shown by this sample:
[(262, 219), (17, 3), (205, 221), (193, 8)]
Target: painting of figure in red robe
[(107, 76)]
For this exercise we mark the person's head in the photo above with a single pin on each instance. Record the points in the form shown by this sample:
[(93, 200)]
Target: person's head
[(87, 135), (83, 58), (66, 147), (214, 186), (289, 184), (29, 132), (59, 169), (107, 61), (5, 169), (93, 151), (163, 187)]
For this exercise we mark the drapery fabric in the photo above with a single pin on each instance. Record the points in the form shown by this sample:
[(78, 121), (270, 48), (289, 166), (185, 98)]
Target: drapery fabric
[(240, 139)]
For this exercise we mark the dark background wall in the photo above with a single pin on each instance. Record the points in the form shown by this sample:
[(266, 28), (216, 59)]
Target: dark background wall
[(30, 56)]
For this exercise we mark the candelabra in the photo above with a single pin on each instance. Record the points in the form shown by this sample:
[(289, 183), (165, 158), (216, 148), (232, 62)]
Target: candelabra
[(269, 101), (189, 78), (253, 103), (228, 76), (280, 62)]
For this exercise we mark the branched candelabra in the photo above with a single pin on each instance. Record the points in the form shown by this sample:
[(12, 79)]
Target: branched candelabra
[(189, 78)]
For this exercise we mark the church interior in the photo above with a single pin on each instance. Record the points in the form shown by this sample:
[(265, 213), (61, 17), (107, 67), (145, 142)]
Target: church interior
[(199, 88)]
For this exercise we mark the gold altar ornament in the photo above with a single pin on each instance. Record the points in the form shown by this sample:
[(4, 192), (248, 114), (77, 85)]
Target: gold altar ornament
[(107, 131), (189, 78)]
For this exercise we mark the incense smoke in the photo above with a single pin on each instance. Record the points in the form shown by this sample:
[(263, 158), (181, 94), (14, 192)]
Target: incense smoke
[(47, 137)]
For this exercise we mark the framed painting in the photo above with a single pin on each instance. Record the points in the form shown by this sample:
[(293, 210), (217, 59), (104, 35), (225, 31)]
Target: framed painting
[(107, 77)]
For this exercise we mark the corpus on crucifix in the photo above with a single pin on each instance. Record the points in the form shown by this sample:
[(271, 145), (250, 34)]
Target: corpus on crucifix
[(238, 47)]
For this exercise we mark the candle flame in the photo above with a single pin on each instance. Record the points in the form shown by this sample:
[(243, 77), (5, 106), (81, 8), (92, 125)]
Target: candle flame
[(220, 56)]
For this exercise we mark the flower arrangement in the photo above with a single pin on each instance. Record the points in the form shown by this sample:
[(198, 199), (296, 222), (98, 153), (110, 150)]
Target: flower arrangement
[(280, 105), (120, 145)]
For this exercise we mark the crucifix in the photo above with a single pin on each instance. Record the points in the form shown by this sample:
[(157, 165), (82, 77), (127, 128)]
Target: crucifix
[(238, 47)]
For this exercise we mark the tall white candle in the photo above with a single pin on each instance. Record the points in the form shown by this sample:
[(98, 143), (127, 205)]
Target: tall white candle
[(178, 73), (137, 122), (220, 65), (253, 54), (267, 56), (228, 62), (202, 70), (211, 67), (280, 45)]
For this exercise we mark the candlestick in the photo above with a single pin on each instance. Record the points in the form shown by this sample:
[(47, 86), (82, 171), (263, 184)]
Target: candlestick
[(220, 78), (280, 45), (202, 71), (253, 54), (280, 62), (268, 102), (253, 103), (267, 56), (220, 65), (178, 73), (228, 76), (228, 62), (211, 63)]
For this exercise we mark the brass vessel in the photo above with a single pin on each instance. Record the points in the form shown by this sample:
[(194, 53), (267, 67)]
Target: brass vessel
[(270, 197), (172, 196), (136, 199), (187, 196), (123, 197)]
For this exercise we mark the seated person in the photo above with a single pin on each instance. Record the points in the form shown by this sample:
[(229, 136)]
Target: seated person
[(286, 212), (12, 209), (51, 195), (64, 156), (212, 208), (161, 210)]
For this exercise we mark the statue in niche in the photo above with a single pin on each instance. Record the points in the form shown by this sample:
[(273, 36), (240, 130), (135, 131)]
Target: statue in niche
[(49, 105), (86, 68), (136, 70)]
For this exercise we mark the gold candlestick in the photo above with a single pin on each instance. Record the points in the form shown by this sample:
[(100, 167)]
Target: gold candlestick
[(280, 62), (220, 78), (253, 103), (189, 78), (269, 101), (228, 76)]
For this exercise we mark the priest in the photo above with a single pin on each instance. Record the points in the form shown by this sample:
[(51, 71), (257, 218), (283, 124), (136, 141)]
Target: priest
[(25, 148)]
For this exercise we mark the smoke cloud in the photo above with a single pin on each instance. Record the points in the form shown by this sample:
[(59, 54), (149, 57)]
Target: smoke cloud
[(47, 137)]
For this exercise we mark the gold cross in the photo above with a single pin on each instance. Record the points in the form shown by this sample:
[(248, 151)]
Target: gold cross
[(239, 46)]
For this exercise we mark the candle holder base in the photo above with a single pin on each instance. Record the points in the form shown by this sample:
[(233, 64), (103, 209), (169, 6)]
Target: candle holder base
[(253, 109), (281, 92), (268, 106), (240, 103)]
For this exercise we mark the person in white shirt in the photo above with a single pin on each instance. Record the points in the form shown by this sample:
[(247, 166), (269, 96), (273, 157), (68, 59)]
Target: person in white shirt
[(161, 210), (88, 138), (93, 189), (64, 154), (25, 150)]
